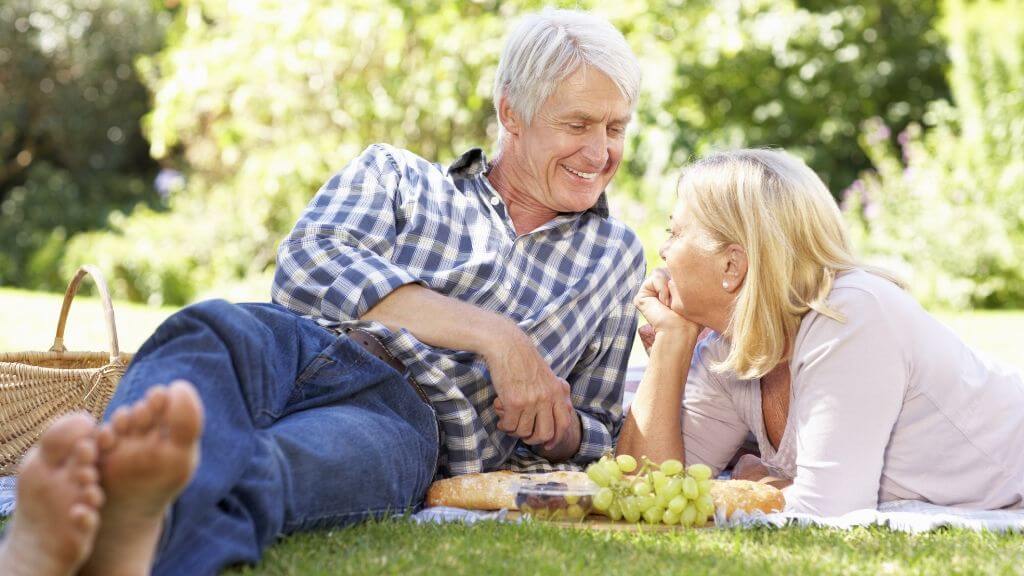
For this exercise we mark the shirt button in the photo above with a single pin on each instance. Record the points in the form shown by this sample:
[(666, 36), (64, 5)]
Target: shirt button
[(495, 200)]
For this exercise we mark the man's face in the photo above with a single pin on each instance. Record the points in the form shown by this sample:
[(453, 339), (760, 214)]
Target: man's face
[(573, 147)]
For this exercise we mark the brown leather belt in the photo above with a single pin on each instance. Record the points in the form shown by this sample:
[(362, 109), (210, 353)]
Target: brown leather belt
[(373, 345)]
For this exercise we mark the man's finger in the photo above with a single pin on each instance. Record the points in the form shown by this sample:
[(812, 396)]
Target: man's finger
[(526, 419), (509, 419), (564, 417), (543, 426)]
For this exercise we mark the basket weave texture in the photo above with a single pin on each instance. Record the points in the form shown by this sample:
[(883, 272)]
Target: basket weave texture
[(37, 387)]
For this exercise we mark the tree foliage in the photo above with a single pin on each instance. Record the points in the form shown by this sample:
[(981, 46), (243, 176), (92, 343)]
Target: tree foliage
[(259, 102), (947, 207), (71, 149)]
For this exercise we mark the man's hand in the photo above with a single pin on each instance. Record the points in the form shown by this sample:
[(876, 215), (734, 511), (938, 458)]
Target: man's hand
[(533, 403)]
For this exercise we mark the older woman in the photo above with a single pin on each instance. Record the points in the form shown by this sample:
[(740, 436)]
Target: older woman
[(855, 394)]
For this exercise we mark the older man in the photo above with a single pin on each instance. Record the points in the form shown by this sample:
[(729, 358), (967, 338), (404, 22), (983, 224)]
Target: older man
[(427, 321)]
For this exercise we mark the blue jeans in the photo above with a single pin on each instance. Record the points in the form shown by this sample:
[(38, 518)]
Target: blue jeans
[(304, 430)]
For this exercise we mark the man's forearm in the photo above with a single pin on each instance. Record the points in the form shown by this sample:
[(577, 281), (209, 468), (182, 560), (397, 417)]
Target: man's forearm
[(442, 321)]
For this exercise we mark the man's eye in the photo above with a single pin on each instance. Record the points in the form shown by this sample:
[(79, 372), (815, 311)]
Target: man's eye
[(577, 126)]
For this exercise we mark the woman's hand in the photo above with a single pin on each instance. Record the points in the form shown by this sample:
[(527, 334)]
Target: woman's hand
[(750, 467), (655, 302)]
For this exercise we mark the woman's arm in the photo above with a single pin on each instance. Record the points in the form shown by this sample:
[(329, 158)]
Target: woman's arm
[(681, 409), (652, 427), (849, 381)]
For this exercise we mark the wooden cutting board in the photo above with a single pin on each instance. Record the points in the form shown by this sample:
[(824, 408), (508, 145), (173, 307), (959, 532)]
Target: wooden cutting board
[(598, 522)]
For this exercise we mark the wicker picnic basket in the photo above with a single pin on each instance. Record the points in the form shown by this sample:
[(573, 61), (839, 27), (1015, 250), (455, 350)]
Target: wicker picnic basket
[(36, 387)]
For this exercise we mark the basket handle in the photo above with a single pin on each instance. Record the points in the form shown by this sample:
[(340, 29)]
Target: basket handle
[(108, 310)]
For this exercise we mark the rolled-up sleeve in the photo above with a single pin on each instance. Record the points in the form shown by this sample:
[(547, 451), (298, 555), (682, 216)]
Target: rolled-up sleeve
[(597, 384), (849, 381), (336, 263)]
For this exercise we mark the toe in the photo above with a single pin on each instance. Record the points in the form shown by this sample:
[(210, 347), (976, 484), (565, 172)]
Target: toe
[(87, 475), (156, 398), (58, 441), (141, 416), (85, 452), (184, 415), (121, 420), (93, 496), (106, 438), (84, 517)]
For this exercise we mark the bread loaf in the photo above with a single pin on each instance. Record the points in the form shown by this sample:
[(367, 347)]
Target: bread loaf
[(497, 490)]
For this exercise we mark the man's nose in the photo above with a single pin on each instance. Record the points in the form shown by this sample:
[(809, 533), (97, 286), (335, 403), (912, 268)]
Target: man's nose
[(595, 151)]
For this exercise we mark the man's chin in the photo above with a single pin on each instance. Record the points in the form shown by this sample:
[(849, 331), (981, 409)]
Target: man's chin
[(581, 201)]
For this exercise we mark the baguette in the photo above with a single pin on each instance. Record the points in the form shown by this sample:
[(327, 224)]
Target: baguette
[(497, 490)]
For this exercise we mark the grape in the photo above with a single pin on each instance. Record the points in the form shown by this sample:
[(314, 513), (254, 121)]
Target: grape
[(662, 500), (670, 517), (704, 486), (630, 511), (689, 515), (699, 471), (705, 506), (626, 463), (641, 488), (668, 493), (653, 515), (690, 488), (612, 469), (659, 479), (596, 473), (674, 487), (615, 511), (671, 467)]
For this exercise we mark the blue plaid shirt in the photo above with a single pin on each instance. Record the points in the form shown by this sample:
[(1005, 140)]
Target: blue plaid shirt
[(391, 218)]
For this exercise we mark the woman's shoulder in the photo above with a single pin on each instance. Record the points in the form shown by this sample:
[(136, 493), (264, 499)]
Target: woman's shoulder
[(858, 292)]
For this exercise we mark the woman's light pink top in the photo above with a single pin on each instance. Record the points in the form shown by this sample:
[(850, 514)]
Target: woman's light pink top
[(888, 405)]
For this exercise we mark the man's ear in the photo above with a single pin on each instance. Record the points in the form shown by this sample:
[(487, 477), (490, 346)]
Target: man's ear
[(735, 271), (508, 117)]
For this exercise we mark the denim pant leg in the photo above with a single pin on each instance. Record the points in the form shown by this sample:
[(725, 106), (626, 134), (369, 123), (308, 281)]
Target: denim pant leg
[(280, 394)]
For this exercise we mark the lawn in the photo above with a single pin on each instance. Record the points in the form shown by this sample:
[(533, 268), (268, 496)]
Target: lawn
[(29, 319)]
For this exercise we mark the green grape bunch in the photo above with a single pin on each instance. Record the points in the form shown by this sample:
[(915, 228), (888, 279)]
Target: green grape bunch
[(665, 493)]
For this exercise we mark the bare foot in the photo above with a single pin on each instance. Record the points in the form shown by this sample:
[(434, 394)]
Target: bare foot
[(59, 498), (148, 452)]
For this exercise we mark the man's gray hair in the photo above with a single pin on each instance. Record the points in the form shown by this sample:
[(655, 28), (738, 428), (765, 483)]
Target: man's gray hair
[(549, 46)]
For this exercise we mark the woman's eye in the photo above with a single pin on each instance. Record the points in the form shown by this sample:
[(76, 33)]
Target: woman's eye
[(577, 126)]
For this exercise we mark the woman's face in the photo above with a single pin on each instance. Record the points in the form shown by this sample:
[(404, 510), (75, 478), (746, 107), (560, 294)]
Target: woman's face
[(697, 272)]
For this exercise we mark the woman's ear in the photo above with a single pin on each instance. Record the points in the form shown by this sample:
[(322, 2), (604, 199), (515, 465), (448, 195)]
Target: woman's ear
[(735, 271), (508, 117)]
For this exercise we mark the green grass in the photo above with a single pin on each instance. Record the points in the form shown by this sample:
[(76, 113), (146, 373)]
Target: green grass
[(29, 319), (489, 548)]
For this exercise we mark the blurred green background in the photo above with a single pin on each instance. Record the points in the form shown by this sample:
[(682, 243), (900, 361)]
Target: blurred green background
[(174, 143)]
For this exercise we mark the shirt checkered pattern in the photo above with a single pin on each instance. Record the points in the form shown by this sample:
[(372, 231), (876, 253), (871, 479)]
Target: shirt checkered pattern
[(391, 218)]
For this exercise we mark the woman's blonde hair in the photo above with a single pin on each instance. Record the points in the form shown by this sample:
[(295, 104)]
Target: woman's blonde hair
[(780, 212)]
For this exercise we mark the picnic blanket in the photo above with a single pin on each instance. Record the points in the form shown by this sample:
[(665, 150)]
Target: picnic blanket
[(901, 515)]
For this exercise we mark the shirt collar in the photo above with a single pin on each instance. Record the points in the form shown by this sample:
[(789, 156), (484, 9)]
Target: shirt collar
[(473, 163)]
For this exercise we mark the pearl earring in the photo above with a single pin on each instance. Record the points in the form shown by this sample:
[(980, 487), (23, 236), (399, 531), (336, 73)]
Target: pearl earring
[(725, 285)]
